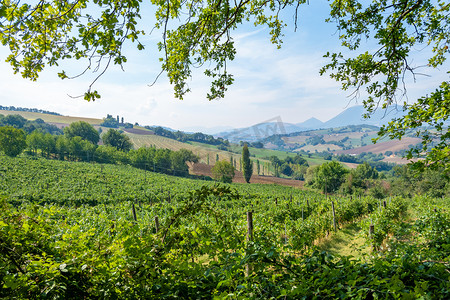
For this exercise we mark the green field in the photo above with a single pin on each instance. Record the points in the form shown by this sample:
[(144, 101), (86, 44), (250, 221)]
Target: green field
[(83, 230), (48, 118)]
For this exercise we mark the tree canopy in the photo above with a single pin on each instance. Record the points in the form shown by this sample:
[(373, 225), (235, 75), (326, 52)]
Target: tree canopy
[(12, 140), (223, 171), (117, 139), (83, 130), (200, 33)]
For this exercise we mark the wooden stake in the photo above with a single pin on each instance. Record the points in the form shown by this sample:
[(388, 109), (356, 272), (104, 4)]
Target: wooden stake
[(248, 267), (371, 232), (334, 216), (249, 226), (157, 223), (133, 210)]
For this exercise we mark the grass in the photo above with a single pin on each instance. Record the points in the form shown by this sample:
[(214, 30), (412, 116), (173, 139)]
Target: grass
[(51, 118), (346, 242)]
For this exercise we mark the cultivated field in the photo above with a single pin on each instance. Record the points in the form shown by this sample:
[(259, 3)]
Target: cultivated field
[(382, 147), (51, 118)]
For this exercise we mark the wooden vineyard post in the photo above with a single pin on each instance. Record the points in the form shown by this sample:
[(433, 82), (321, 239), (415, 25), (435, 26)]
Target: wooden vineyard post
[(157, 223), (334, 215), (285, 233), (248, 268), (249, 226), (371, 233), (384, 204), (133, 210)]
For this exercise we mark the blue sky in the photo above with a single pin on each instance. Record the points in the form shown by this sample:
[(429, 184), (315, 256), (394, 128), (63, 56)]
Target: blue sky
[(268, 82)]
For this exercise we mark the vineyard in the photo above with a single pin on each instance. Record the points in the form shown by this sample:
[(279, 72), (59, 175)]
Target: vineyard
[(84, 230)]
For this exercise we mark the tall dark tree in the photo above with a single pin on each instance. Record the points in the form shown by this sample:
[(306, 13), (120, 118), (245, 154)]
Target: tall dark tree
[(83, 130), (247, 165)]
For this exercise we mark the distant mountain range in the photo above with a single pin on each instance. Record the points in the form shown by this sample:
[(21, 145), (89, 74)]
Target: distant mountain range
[(351, 116)]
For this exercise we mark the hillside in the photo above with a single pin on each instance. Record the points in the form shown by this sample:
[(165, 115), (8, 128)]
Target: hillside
[(52, 119), (143, 137)]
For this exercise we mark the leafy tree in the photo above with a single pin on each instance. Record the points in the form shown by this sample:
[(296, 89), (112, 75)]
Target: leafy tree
[(247, 165), (15, 121), (143, 158), (299, 160), (361, 178), (83, 130), (62, 146), (162, 160), (223, 171), (400, 29), (310, 176), (81, 149), (110, 155), (35, 140), (286, 169), (12, 140), (49, 145), (179, 159), (109, 121), (329, 176), (117, 139)]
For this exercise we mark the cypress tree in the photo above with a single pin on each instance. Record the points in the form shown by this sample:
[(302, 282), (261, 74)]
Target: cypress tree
[(247, 165), (257, 166)]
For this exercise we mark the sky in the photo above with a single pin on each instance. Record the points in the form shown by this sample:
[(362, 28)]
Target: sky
[(269, 82)]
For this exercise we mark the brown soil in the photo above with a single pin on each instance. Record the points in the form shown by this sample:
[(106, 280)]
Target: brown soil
[(382, 147), (59, 125), (138, 131), (204, 169)]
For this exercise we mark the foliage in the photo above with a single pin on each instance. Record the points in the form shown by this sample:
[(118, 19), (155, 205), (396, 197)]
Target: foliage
[(399, 29), (407, 182), (110, 121), (20, 122), (223, 171), (428, 117), (117, 139), (247, 164), (362, 174), (36, 110), (193, 137), (12, 140), (204, 38), (78, 238), (84, 130), (329, 176)]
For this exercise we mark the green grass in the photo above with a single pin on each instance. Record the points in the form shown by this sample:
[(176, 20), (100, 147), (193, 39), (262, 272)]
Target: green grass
[(346, 242)]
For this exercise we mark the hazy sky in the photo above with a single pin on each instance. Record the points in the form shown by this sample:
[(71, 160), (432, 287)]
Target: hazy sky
[(268, 82)]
